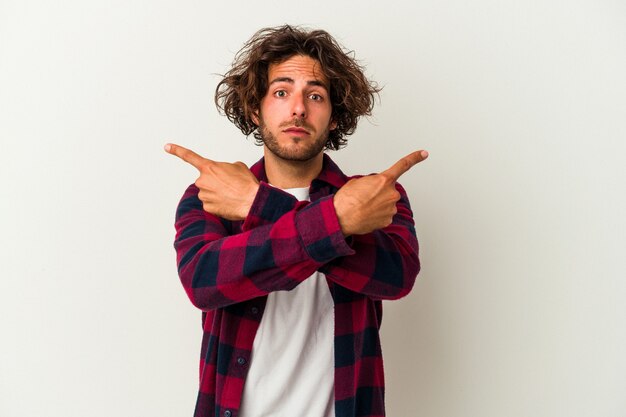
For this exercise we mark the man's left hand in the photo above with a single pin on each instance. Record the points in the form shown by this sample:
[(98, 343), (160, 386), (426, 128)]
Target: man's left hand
[(226, 190)]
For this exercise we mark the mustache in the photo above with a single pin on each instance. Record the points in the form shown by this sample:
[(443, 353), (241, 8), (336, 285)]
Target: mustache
[(296, 122)]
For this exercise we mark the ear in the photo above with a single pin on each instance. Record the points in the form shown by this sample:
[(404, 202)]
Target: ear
[(333, 125), (255, 117)]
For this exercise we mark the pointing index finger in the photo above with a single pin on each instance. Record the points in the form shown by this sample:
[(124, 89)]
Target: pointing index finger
[(186, 155), (404, 164)]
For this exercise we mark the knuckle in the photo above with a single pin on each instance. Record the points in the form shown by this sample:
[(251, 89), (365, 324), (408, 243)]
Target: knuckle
[(383, 180), (207, 165), (384, 177)]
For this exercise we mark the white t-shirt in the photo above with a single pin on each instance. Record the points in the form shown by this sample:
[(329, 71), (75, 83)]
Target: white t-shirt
[(292, 368)]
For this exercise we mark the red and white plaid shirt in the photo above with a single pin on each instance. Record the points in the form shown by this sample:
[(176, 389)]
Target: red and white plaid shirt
[(228, 268)]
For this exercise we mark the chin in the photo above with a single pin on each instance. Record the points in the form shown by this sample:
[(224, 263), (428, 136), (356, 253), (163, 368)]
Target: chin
[(295, 149), (295, 156)]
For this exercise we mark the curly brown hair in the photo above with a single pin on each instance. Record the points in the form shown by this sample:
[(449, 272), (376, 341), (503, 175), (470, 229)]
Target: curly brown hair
[(239, 94)]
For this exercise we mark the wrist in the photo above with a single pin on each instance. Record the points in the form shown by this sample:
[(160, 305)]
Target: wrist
[(251, 197), (342, 218)]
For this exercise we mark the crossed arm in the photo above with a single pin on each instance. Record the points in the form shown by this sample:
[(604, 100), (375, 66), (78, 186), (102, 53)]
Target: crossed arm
[(283, 241)]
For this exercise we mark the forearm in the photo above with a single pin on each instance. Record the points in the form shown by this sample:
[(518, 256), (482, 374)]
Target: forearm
[(218, 267), (386, 261)]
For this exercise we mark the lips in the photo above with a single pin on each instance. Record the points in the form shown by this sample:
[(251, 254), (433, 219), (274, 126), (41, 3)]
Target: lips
[(297, 130)]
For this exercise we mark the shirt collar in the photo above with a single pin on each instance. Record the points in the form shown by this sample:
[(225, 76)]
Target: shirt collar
[(330, 174)]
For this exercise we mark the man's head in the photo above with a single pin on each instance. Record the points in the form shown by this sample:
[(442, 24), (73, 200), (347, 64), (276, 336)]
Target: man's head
[(241, 93)]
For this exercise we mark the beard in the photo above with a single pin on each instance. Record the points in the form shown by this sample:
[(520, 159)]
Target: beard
[(302, 153)]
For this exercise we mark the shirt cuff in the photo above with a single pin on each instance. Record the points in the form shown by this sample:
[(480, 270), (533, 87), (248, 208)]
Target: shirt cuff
[(269, 204), (319, 229)]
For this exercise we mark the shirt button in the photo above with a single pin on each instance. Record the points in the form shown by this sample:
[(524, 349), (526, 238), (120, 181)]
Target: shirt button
[(228, 413), (241, 360), (254, 310)]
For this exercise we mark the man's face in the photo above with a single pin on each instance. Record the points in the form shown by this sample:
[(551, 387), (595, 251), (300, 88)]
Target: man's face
[(295, 114)]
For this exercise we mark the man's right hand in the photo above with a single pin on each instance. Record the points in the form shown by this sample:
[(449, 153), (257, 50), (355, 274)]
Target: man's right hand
[(369, 203), (226, 190)]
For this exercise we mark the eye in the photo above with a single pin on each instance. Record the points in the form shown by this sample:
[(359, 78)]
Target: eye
[(316, 97), (280, 93)]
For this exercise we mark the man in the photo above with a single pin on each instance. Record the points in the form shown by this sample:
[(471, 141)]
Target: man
[(289, 260)]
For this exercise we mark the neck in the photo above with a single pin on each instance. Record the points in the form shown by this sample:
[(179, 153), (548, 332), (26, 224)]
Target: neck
[(283, 173)]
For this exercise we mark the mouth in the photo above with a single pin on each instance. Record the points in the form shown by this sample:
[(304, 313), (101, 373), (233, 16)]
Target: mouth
[(296, 130)]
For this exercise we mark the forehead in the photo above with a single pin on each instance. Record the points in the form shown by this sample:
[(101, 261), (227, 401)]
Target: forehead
[(297, 67)]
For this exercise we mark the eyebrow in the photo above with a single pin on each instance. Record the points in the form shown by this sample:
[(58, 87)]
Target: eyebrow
[(291, 81)]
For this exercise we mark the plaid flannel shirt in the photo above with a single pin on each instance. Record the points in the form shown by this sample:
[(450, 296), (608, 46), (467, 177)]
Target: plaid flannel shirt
[(228, 268)]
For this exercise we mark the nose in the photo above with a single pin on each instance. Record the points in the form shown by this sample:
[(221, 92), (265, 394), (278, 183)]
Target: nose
[(298, 106)]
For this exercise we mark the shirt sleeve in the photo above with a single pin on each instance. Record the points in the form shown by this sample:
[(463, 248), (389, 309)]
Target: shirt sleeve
[(385, 263), (282, 242)]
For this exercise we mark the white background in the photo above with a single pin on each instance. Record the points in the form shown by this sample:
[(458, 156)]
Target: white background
[(520, 309)]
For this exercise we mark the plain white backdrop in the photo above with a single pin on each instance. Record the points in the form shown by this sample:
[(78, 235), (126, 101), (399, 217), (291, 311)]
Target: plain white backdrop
[(520, 309)]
